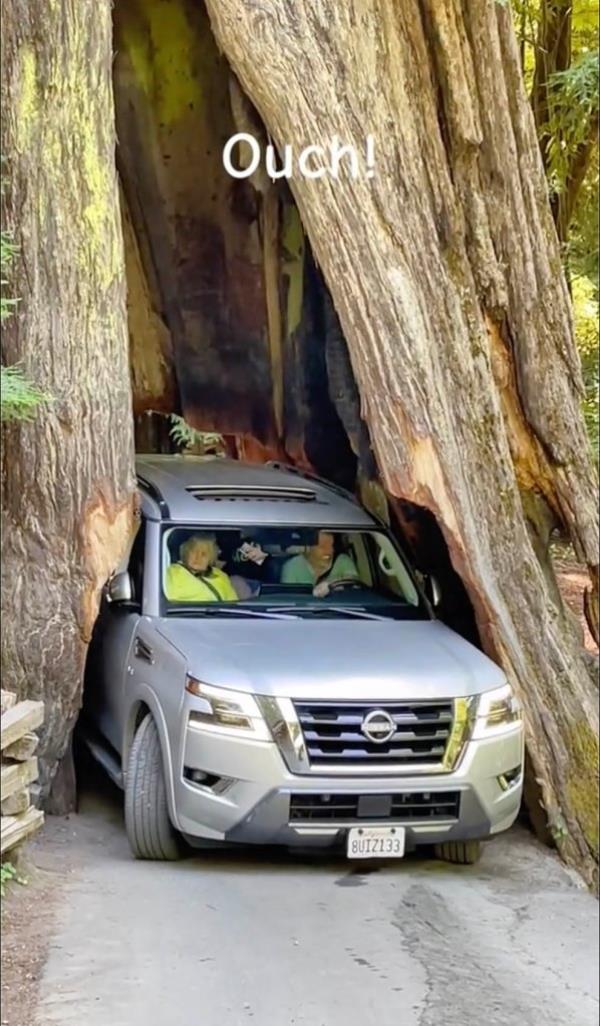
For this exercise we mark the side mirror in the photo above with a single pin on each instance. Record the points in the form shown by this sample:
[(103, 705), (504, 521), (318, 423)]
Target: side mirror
[(120, 588), (433, 590)]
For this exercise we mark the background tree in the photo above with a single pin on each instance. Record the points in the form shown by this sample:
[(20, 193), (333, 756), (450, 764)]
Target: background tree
[(559, 55)]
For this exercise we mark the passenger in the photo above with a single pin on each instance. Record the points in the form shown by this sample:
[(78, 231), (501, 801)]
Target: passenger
[(317, 564), (196, 578)]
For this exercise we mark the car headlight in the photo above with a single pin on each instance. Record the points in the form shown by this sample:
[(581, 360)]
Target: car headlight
[(226, 711), (495, 711)]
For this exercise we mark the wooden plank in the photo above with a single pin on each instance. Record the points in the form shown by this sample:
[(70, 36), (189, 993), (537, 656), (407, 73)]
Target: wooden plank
[(23, 717), (7, 699), (17, 804), (22, 749), (17, 776), (14, 829)]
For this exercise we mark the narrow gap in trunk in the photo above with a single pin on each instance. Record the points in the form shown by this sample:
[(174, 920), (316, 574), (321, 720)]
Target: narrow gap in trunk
[(200, 251)]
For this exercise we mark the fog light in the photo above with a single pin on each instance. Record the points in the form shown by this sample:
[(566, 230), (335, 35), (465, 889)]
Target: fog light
[(197, 776), (210, 781), (511, 777)]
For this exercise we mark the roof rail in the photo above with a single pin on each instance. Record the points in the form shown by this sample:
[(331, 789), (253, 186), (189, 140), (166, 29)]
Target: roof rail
[(155, 494), (309, 476)]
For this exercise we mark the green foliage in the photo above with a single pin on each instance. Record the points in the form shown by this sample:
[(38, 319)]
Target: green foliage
[(572, 108), (573, 102), (581, 252), (7, 873), (188, 438), (7, 252), (585, 306), (571, 94), (558, 829), (19, 397)]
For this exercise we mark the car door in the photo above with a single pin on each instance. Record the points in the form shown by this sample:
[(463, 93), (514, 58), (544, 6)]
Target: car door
[(111, 657)]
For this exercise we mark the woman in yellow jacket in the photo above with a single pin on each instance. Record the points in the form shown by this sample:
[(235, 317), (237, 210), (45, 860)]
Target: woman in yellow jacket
[(196, 578)]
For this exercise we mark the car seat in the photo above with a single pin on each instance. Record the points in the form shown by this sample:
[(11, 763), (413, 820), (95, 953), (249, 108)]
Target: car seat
[(174, 543)]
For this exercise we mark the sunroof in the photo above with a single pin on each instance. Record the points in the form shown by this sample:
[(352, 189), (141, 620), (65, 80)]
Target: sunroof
[(245, 492)]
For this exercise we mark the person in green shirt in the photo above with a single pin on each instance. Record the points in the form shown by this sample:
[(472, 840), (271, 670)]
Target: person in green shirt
[(319, 565), (196, 578)]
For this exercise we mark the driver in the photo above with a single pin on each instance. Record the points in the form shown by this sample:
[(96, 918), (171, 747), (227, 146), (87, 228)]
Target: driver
[(317, 565), (196, 578)]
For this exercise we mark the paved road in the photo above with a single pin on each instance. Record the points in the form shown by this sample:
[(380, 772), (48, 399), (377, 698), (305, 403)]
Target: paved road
[(274, 940)]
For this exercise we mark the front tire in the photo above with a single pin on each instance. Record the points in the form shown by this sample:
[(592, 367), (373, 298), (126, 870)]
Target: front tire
[(459, 853), (149, 829)]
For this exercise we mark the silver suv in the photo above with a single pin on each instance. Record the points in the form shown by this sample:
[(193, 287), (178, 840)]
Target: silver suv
[(268, 669)]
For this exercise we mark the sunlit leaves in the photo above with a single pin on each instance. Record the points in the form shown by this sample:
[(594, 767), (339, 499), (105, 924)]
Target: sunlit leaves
[(573, 105)]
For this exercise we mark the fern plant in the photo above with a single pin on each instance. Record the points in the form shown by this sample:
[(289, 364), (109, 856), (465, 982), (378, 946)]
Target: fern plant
[(188, 438), (19, 397), (573, 107), (7, 252)]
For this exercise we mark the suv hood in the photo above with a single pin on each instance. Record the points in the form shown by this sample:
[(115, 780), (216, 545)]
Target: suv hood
[(336, 659)]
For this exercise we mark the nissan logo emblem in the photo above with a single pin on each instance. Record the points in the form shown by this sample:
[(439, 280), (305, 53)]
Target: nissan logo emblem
[(378, 726)]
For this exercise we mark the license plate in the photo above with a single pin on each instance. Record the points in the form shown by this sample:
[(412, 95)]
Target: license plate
[(375, 843)]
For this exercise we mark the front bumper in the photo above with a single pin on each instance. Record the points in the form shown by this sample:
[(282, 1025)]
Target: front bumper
[(247, 795)]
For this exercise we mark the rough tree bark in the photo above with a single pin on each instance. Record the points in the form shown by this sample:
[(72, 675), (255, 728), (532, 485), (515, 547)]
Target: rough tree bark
[(445, 273), (67, 483)]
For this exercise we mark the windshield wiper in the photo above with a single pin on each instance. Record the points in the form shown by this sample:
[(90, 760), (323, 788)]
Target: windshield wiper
[(359, 612), (217, 610), (362, 613)]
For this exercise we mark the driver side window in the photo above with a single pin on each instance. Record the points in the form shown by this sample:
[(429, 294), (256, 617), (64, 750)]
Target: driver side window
[(136, 562), (392, 575)]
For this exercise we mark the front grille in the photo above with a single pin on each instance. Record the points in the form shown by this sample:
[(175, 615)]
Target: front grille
[(342, 808), (333, 733)]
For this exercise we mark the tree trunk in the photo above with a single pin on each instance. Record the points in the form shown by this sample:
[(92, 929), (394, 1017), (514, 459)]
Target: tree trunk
[(67, 482), (564, 203), (445, 273)]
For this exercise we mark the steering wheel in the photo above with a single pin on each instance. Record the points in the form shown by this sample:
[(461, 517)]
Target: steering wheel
[(344, 582)]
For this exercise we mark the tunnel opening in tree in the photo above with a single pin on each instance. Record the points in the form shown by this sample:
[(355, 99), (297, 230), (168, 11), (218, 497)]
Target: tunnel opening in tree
[(451, 312)]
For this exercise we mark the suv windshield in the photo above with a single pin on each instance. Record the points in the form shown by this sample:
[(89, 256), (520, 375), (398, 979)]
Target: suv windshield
[(291, 571)]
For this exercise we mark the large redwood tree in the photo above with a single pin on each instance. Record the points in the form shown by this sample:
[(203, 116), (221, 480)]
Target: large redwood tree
[(444, 269), (67, 482)]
